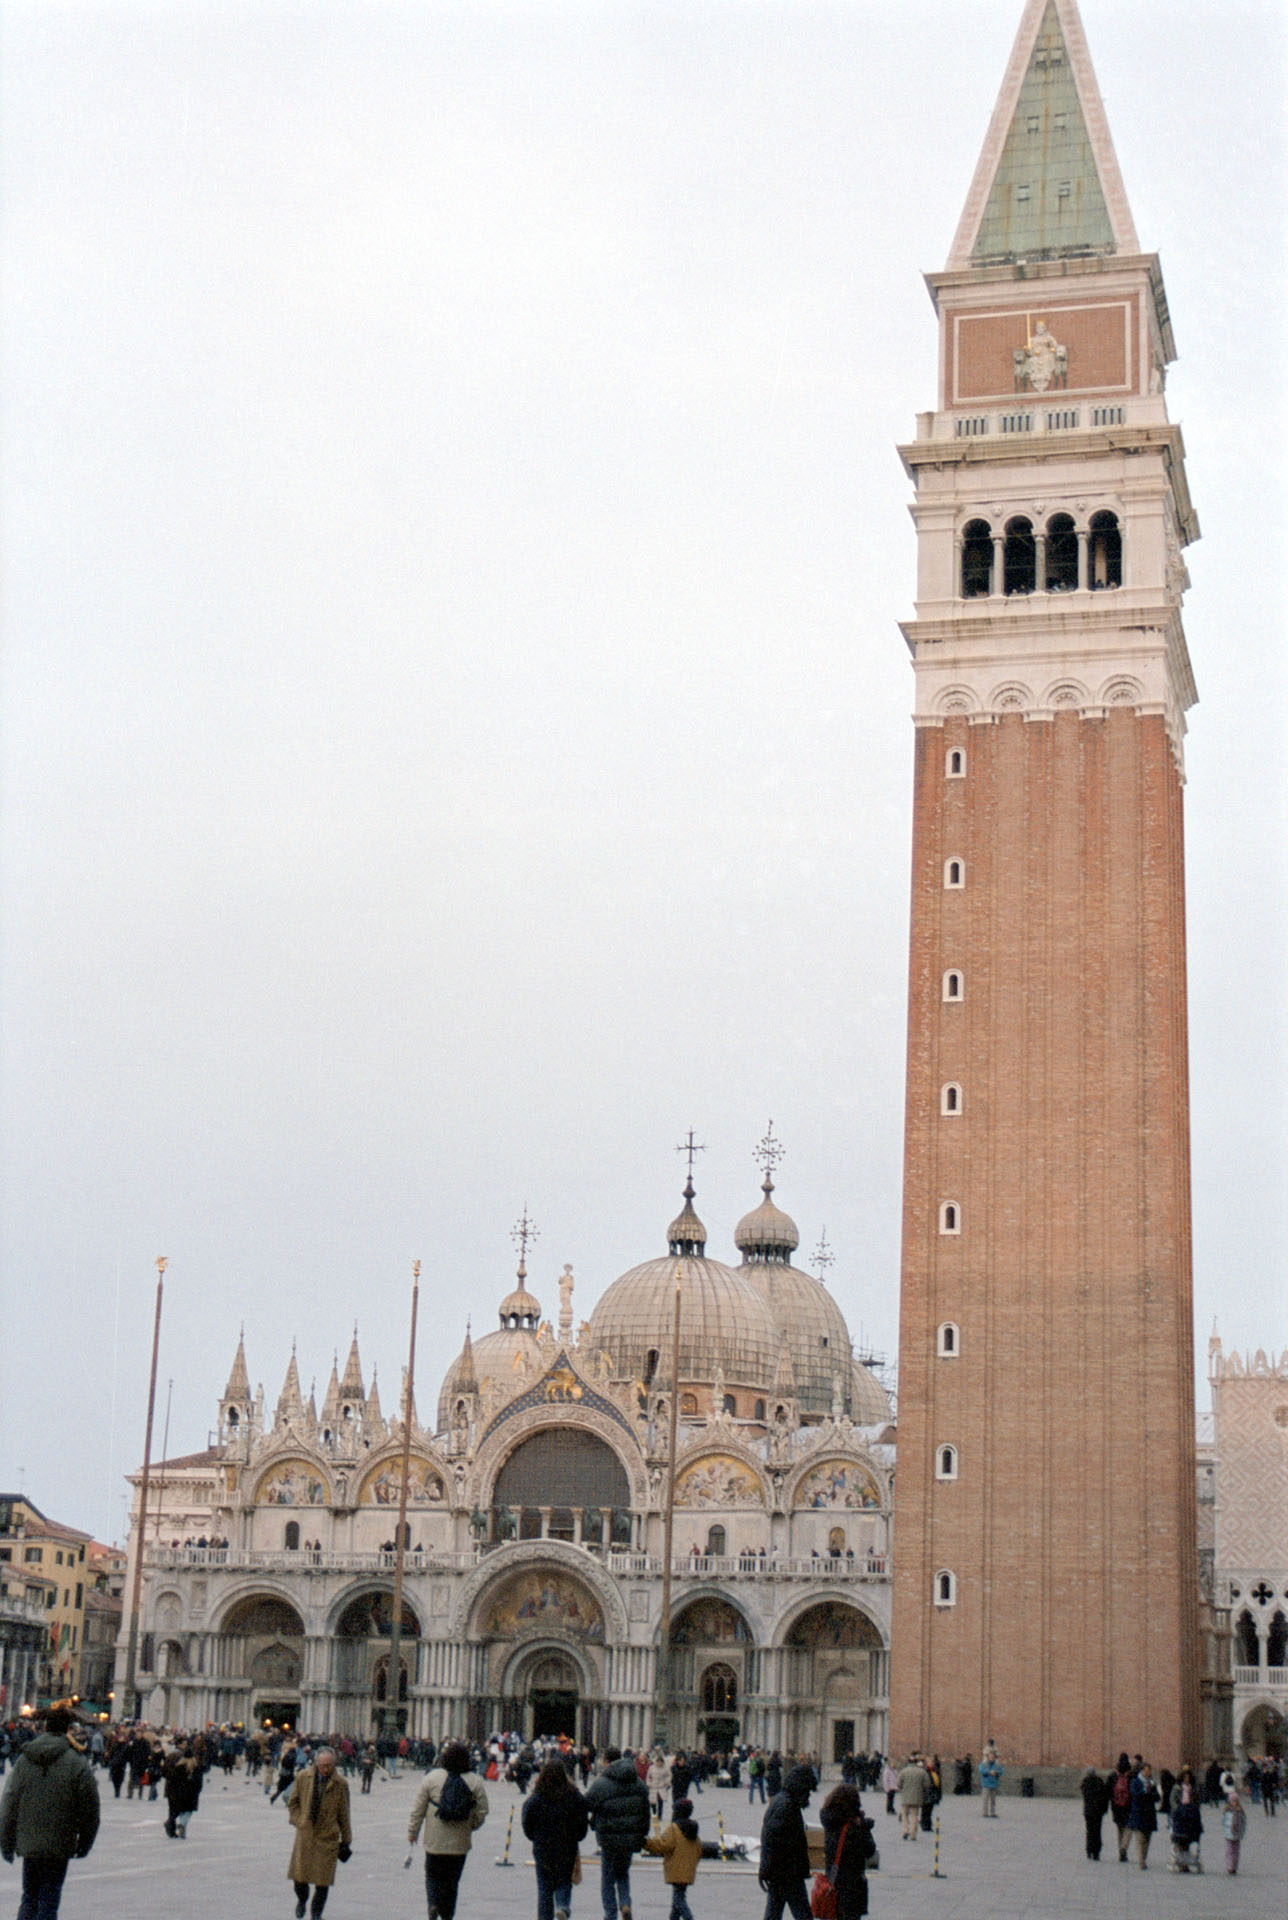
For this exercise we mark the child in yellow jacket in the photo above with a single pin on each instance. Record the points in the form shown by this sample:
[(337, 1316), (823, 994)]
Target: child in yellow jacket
[(681, 1851)]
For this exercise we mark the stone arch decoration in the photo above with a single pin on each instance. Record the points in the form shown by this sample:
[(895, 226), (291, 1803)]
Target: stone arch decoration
[(830, 1624), (536, 1663), (383, 1484), (718, 1480), (1122, 691), (276, 1665), (167, 1614), (956, 700), (502, 1440), (293, 1483), (262, 1612), (538, 1602), (710, 1620), (368, 1614), (1011, 697), (539, 1556), (838, 1483), (1067, 693)]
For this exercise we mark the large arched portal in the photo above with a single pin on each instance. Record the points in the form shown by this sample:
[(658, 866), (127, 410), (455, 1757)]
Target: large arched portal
[(835, 1673), (267, 1655), (711, 1646), (542, 1631), (562, 1483), (1264, 1730), (361, 1654)]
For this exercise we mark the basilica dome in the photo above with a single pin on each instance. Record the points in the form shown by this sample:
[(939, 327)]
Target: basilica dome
[(724, 1327), (507, 1355), (871, 1401), (806, 1319)]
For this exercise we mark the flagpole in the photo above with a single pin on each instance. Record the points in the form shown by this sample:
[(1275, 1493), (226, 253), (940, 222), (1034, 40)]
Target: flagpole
[(393, 1687), (132, 1646)]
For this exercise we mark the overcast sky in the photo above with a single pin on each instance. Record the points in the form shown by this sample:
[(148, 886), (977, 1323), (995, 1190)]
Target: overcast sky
[(455, 722)]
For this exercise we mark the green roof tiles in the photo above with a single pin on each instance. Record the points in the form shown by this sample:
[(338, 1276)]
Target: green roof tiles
[(1046, 196)]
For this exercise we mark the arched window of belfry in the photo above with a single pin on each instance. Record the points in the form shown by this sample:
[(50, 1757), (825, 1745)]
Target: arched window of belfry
[(977, 559), (1020, 555), (1105, 557), (1061, 554)]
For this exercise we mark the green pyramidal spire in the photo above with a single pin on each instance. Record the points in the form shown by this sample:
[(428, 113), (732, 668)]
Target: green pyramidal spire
[(1047, 184)]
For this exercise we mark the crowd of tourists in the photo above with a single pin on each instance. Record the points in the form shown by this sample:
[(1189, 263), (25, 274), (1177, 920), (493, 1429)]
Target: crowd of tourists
[(630, 1803)]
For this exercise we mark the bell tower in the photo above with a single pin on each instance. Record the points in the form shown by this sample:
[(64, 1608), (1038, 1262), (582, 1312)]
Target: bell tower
[(1045, 1569)]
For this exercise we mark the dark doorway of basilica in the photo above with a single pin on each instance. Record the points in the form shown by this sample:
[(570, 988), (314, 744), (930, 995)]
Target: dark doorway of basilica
[(554, 1711), (277, 1713)]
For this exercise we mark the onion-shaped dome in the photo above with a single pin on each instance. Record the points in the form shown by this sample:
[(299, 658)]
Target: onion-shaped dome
[(510, 1353), (724, 1326), (767, 1234), (871, 1401)]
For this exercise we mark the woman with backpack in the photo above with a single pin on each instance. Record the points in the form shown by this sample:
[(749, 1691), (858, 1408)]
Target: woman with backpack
[(452, 1804), (1120, 1801), (848, 1846), (555, 1820)]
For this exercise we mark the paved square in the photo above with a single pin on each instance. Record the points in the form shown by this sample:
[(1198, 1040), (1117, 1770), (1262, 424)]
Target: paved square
[(1027, 1863)]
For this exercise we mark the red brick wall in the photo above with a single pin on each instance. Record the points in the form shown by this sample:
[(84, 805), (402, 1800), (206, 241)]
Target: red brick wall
[(1070, 1528)]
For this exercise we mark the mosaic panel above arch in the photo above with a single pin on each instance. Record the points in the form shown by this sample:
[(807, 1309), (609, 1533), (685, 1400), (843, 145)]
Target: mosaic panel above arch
[(710, 1622), (293, 1483), (837, 1483), (383, 1485), (542, 1601), (718, 1480), (831, 1623)]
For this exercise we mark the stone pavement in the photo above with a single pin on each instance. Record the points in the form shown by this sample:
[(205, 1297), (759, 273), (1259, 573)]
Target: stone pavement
[(1029, 1862)]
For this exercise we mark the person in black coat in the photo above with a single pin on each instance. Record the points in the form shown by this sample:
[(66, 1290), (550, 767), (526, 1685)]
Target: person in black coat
[(849, 1846), (619, 1813), (1095, 1805), (555, 1820), (784, 1854)]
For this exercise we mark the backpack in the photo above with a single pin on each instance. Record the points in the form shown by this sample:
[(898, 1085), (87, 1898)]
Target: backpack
[(1120, 1792), (455, 1801)]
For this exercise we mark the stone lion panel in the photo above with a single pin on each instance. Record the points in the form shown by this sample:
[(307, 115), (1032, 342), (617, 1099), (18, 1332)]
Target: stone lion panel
[(838, 1483), (718, 1481)]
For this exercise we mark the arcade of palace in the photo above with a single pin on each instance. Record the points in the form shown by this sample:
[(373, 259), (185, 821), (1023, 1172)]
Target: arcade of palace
[(532, 1594)]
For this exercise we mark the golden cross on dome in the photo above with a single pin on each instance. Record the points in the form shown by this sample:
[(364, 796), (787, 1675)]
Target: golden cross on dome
[(769, 1152), (690, 1146), (523, 1233)]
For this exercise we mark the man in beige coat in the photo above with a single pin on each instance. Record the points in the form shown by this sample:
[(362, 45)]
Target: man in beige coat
[(318, 1808)]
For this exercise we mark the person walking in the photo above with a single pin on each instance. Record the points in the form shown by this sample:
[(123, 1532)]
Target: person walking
[(318, 1808), (285, 1771), (1120, 1802), (1185, 1824), (49, 1814), (1142, 1817), (657, 1780), (1234, 1824), (990, 1779), (183, 1783), (555, 1820), (756, 1778), (618, 1806), (680, 1849), (848, 1846), (1094, 1789), (784, 1852), (889, 1783), (914, 1785), (452, 1806)]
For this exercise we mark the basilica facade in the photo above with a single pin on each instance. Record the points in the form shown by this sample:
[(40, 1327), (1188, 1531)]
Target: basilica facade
[(536, 1507)]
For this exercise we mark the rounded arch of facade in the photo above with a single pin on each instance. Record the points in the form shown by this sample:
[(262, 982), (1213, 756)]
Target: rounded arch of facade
[(956, 700), (381, 1479), (486, 1583), (823, 1596), (1011, 696), (708, 1595), (236, 1596), (1263, 1726), (996, 518), (1121, 691), (840, 1482), (496, 1450), (373, 1587), (1066, 693), (720, 1474), (293, 1479), (519, 1664)]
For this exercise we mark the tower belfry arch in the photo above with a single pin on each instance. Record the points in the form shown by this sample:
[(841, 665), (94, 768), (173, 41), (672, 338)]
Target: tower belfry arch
[(1046, 1579)]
